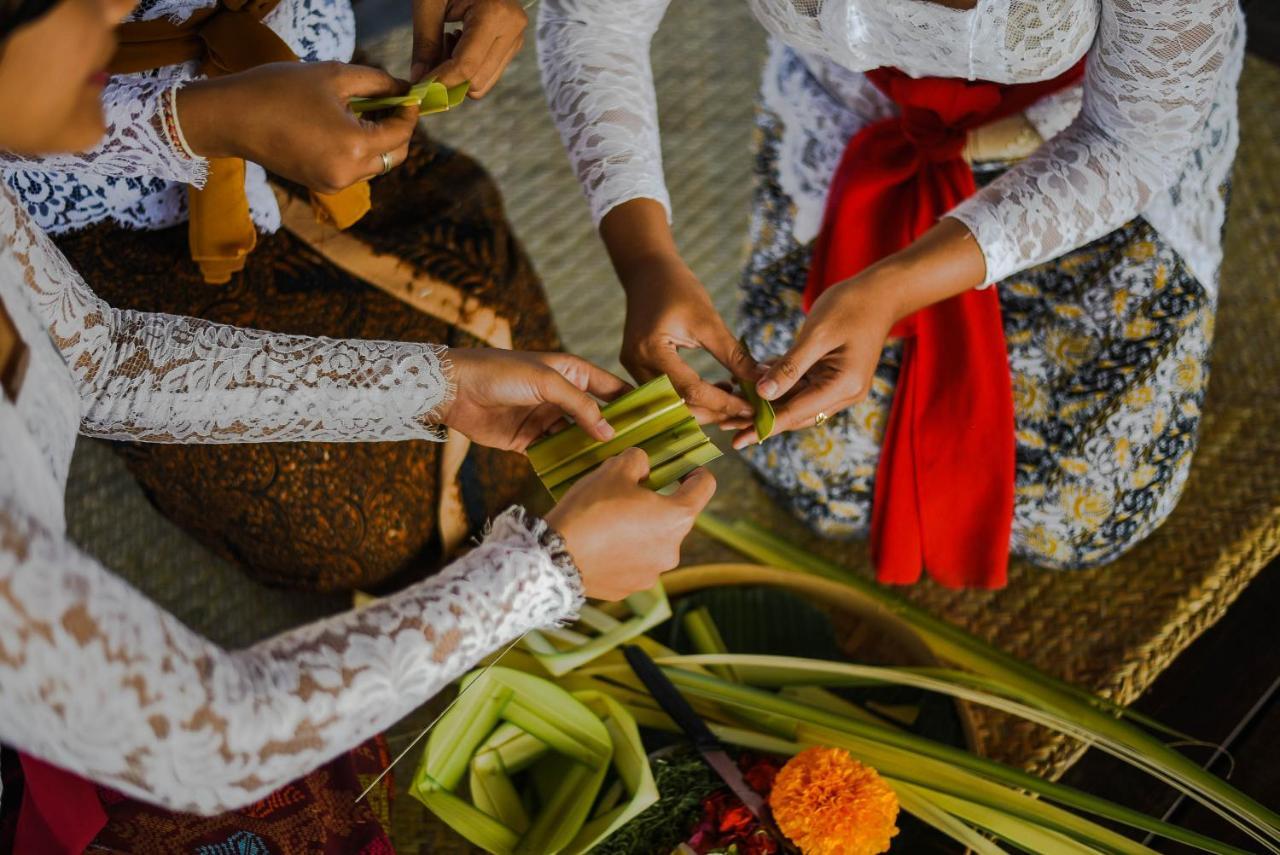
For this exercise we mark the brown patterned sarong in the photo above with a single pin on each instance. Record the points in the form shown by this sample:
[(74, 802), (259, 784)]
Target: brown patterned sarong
[(333, 516)]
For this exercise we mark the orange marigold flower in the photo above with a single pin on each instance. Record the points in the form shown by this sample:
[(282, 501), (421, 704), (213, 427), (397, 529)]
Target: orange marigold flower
[(830, 804)]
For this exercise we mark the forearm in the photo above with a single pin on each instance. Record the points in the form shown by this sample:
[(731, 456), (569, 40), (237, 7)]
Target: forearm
[(637, 234), (213, 729), (942, 263)]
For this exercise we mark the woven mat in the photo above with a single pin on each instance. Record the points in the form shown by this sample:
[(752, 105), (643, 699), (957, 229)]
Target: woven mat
[(1113, 629)]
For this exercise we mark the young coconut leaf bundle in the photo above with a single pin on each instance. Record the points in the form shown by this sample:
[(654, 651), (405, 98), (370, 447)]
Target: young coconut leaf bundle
[(999, 680), (653, 418), (960, 794), (430, 96)]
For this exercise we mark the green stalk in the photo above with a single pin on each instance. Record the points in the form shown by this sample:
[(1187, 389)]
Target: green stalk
[(649, 608), (961, 648), (916, 801), (1029, 836), (705, 637)]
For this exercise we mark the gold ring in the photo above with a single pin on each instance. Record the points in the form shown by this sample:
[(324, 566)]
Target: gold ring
[(386, 162), (819, 419)]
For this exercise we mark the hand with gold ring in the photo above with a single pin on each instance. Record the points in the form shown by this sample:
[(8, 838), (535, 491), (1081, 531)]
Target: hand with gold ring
[(833, 359)]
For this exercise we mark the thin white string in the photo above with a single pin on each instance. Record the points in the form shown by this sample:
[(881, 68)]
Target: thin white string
[(436, 720)]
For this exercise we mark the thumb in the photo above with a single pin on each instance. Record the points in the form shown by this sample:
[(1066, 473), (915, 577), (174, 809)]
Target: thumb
[(695, 491), (785, 372), (581, 407), (361, 81), (732, 354)]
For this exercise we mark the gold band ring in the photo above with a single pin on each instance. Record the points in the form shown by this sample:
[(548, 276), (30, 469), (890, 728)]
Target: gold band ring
[(819, 419), (386, 162)]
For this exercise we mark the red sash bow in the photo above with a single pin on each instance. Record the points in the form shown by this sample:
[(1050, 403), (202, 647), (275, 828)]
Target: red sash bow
[(944, 487)]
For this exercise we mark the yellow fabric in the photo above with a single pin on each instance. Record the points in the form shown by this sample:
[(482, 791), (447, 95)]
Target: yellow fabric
[(226, 39)]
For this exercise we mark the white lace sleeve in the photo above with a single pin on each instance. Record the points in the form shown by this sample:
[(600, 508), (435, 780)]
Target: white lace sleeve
[(1150, 81), (136, 143), (163, 378), (99, 680), (594, 56)]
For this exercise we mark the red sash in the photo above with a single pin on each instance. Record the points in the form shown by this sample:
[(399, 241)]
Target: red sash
[(944, 487)]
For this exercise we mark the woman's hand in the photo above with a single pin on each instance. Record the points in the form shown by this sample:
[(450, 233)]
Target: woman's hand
[(668, 309), (831, 363), (492, 34), (622, 535), (293, 119), (508, 399), (835, 354)]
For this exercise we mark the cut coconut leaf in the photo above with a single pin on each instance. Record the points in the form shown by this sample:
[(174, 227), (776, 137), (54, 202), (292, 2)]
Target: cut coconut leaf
[(673, 470), (577, 648), (915, 802), (632, 768), (569, 790), (506, 723), (764, 417), (652, 417), (430, 96)]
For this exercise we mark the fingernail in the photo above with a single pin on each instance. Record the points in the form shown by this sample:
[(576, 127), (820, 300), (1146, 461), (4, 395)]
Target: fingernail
[(767, 389), (605, 429)]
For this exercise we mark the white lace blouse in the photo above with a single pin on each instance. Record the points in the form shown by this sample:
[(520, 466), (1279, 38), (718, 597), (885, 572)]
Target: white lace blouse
[(96, 678), (136, 177), (1151, 130)]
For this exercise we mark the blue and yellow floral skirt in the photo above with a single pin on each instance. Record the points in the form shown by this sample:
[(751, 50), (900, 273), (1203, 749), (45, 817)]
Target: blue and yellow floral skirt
[(1108, 346)]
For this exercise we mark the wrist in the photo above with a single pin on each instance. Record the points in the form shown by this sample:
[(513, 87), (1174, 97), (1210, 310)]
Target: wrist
[(452, 361), (639, 239), (941, 263), (203, 123)]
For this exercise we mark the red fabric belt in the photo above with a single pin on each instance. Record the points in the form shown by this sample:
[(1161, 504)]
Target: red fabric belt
[(944, 487)]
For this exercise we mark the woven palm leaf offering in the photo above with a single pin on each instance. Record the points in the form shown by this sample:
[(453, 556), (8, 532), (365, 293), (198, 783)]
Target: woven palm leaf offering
[(854, 746)]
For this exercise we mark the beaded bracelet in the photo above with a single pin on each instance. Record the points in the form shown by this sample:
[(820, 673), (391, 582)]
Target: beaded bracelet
[(172, 127)]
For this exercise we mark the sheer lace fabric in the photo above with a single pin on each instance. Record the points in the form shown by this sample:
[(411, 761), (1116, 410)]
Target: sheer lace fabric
[(96, 678), (1152, 130), (135, 177)]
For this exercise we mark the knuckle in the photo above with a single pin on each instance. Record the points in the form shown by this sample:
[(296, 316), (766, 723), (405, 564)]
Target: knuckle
[(788, 368)]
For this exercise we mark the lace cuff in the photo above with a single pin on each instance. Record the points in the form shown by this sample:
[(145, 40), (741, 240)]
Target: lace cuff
[(521, 528)]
